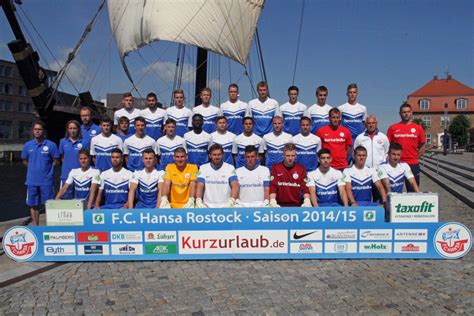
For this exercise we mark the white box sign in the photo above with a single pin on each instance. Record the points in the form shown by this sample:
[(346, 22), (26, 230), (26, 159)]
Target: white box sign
[(413, 207), (64, 213)]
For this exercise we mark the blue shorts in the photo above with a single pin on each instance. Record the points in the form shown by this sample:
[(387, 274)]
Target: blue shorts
[(367, 203), (328, 204), (69, 194), (115, 206), (141, 205), (38, 195)]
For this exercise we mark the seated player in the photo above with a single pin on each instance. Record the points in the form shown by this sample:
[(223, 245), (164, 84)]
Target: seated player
[(145, 184), (134, 145), (394, 173), (197, 142), (288, 187), (217, 182), (360, 181), (254, 181), (326, 184), (179, 185), (166, 145), (114, 184), (84, 180)]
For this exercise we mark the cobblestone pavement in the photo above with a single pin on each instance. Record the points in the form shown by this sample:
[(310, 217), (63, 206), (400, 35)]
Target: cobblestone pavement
[(255, 287)]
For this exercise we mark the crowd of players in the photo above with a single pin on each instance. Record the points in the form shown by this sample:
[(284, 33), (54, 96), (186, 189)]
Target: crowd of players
[(259, 154)]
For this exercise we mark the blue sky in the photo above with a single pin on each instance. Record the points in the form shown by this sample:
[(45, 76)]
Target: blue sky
[(389, 48)]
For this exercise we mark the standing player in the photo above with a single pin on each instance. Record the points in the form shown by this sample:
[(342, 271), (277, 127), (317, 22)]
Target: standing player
[(123, 128), (39, 155), (235, 110), (224, 138), (154, 117), (146, 184), (412, 139), (376, 143), (292, 112), (135, 145), (319, 112), (274, 142), (179, 187), (254, 181), (114, 184), (326, 184), (287, 186), (84, 180), (361, 180), (263, 109), (395, 173), (103, 144), (166, 144), (217, 182), (88, 128), (128, 111), (353, 114), (180, 114), (307, 145), (245, 139), (337, 139), (197, 142), (209, 112)]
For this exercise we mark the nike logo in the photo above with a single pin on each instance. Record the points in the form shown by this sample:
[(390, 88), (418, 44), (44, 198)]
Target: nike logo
[(296, 236)]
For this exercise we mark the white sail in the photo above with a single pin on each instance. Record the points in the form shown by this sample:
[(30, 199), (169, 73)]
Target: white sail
[(225, 27)]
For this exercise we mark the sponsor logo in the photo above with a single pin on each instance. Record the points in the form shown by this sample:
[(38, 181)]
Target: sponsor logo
[(306, 234), (66, 237), (369, 216), (306, 247), (160, 249), (93, 249), (60, 250), (375, 234), (20, 243), (424, 207), (98, 218), (126, 249), (410, 247), (452, 240), (126, 236), (340, 247), (151, 236), (412, 130), (88, 237), (411, 234), (375, 247), (340, 234)]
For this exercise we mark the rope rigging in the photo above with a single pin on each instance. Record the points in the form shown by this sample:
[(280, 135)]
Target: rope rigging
[(298, 43)]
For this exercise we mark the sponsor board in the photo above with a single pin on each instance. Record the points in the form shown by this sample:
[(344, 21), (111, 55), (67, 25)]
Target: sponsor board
[(340, 234), (306, 247), (410, 247), (127, 249), (126, 236), (57, 238), (20, 243), (160, 249), (88, 237), (452, 240), (60, 250), (340, 247), (413, 207), (160, 236), (375, 234), (375, 247), (95, 249), (411, 234), (306, 234), (235, 241)]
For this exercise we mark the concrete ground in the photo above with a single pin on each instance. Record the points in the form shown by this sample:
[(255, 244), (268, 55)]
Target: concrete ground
[(342, 287)]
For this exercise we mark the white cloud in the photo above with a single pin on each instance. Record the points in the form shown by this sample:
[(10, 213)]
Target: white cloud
[(165, 70), (76, 72)]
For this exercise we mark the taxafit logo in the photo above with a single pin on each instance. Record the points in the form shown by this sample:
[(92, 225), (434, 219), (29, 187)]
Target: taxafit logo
[(20, 243), (452, 240), (98, 218)]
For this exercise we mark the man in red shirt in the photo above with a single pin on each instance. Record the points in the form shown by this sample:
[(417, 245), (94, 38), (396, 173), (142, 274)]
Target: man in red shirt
[(287, 185), (411, 137), (337, 139)]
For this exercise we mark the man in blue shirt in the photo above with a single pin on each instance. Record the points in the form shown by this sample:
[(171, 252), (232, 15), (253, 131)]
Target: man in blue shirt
[(40, 156), (88, 128)]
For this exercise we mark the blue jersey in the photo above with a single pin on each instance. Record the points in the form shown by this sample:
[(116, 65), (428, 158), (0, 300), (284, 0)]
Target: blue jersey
[(274, 147), (197, 146), (82, 181), (101, 148), (319, 116), (242, 141), (147, 187), (209, 113), (263, 113), (133, 147), (292, 114), (69, 150), (182, 117), (226, 140), (326, 186), (396, 175), (235, 113), (307, 150), (114, 186), (40, 157), (362, 181), (131, 114), (165, 147), (154, 122), (89, 131), (353, 117), (124, 137)]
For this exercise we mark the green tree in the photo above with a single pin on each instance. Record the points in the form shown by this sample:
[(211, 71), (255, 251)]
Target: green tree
[(420, 122), (459, 128)]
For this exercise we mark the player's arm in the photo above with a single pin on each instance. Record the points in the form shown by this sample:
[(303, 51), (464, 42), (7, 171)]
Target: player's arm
[(380, 188), (266, 193), (131, 195), (192, 189), (200, 190), (343, 195), (421, 149), (98, 199), (165, 191), (415, 186), (62, 191), (312, 196), (25, 162), (92, 194), (273, 189), (350, 197), (234, 189)]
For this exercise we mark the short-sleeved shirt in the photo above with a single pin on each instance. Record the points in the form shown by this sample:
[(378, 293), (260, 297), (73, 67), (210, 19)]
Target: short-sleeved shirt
[(147, 187), (154, 121), (353, 117), (376, 145), (197, 145), (288, 184), (409, 136), (226, 140), (326, 185), (362, 181), (336, 141), (82, 181), (70, 151), (242, 141), (133, 147), (180, 180), (181, 116), (292, 114), (319, 116), (130, 114), (101, 148), (396, 175), (235, 113), (263, 113), (252, 184), (307, 150), (209, 113), (274, 147), (165, 147), (115, 187), (89, 131), (217, 183), (40, 157)]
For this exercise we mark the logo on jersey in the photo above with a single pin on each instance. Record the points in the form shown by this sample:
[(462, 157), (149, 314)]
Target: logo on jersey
[(295, 176), (341, 134), (413, 130), (20, 243), (79, 146), (186, 175), (452, 240), (93, 132)]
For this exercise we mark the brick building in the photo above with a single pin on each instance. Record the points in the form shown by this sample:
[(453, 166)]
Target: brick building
[(429, 101)]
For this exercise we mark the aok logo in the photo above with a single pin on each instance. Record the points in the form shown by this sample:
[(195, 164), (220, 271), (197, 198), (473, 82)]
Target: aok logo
[(425, 207)]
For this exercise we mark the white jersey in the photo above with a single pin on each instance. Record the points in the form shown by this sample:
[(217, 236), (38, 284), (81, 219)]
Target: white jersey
[(115, 187), (101, 148), (134, 147), (274, 147), (217, 184), (209, 114), (182, 117), (396, 175), (377, 148), (226, 140), (292, 114), (154, 121), (235, 113), (362, 181), (241, 141), (307, 150), (319, 116), (147, 187), (82, 181), (165, 147), (197, 145), (353, 117), (130, 114), (263, 113), (326, 185), (252, 184)]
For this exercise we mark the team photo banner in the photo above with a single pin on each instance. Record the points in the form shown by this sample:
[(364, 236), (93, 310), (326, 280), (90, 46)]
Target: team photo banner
[(237, 233)]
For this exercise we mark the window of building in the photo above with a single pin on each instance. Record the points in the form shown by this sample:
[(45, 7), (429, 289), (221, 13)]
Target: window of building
[(22, 91), (5, 129), (7, 71), (444, 122), (426, 120), (461, 104), (428, 138), (5, 105), (5, 88), (24, 130), (424, 104)]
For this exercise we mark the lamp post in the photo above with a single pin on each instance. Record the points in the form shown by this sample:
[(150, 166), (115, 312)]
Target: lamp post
[(445, 136)]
